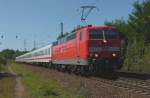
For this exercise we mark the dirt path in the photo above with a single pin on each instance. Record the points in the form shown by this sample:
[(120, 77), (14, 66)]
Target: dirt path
[(19, 91)]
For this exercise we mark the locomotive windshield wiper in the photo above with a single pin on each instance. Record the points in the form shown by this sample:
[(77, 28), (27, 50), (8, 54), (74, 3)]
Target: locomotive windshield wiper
[(104, 37)]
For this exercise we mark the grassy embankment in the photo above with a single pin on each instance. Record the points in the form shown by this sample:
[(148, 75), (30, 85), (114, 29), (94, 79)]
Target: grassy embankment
[(6, 87), (3, 68), (38, 86), (6, 83)]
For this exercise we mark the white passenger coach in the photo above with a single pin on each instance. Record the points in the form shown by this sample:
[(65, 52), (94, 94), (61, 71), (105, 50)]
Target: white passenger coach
[(40, 55)]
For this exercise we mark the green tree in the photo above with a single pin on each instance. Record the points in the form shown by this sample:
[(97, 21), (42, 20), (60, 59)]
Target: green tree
[(139, 20), (7, 54), (136, 30), (10, 54), (2, 61)]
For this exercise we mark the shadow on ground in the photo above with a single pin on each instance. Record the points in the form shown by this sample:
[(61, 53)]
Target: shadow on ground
[(5, 74)]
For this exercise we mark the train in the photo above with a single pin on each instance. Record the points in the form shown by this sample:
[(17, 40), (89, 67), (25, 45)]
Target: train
[(88, 49)]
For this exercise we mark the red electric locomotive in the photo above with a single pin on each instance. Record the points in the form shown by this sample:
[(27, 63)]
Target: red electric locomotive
[(88, 49)]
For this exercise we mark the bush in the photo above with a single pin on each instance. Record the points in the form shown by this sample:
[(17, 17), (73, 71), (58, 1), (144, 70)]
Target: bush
[(137, 56), (3, 61)]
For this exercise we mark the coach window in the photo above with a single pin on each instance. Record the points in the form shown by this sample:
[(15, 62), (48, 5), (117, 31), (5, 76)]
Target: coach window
[(81, 35)]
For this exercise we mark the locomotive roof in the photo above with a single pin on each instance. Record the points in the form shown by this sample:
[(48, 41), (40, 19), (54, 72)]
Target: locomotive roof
[(87, 27), (92, 27), (64, 37)]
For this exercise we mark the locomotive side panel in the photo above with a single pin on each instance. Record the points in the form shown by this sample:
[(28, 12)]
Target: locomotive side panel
[(82, 47), (65, 53), (72, 52)]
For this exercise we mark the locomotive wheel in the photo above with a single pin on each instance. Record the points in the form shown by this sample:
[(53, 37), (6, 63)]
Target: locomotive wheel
[(77, 70), (85, 70), (82, 71), (50, 65), (68, 69), (73, 69)]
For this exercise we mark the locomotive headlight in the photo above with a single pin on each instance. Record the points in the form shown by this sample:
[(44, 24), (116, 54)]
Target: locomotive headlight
[(96, 55), (114, 54), (105, 41)]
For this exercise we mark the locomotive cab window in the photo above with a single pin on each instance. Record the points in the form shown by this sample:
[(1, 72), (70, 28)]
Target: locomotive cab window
[(111, 34), (101, 34), (96, 34)]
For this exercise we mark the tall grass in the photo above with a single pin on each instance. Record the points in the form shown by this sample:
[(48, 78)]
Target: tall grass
[(38, 86)]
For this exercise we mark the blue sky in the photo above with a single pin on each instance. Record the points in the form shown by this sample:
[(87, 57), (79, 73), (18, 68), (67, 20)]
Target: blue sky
[(39, 20)]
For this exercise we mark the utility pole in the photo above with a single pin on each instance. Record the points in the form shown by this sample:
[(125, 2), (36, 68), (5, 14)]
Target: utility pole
[(61, 27), (34, 45), (25, 44)]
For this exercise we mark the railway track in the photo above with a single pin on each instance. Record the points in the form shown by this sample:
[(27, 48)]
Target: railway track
[(134, 85)]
